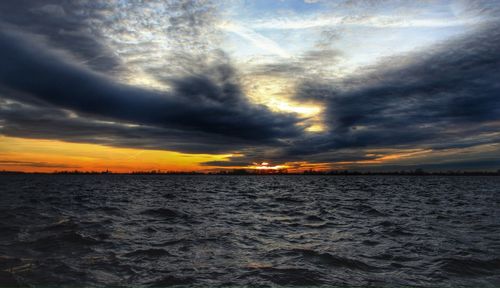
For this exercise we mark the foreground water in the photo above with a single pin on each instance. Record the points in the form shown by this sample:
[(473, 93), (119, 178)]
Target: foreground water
[(117, 230)]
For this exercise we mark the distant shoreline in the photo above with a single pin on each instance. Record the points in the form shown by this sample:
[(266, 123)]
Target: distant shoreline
[(240, 173)]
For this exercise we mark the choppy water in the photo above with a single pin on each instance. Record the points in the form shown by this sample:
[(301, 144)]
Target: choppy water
[(117, 230)]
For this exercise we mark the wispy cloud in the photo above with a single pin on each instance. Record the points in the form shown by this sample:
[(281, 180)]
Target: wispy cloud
[(322, 21), (258, 40), (163, 75)]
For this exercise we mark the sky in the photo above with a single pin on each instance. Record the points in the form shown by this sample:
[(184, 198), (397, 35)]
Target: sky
[(200, 85)]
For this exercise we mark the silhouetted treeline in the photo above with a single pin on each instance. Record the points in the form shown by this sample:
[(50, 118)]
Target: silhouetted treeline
[(155, 172), (419, 172), (353, 172)]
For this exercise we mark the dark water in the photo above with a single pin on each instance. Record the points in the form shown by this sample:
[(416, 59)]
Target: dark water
[(116, 230)]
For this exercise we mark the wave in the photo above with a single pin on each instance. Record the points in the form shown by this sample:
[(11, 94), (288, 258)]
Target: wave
[(64, 238), (290, 276), (150, 253), (164, 231), (171, 281), (164, 213), (470, 266), (327, 259)]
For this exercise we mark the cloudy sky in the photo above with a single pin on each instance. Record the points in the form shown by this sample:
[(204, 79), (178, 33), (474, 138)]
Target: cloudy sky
[(203, 85)]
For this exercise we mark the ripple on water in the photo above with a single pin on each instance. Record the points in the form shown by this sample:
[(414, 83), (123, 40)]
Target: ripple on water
[(164, 213), (289, 276), (112, 230), (470, 266)]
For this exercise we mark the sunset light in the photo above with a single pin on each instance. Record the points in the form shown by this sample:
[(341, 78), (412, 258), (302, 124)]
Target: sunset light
[(249, 143), (267, 166), (187, 85)]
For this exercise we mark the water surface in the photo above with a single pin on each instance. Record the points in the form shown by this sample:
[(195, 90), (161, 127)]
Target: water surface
[(122, 230)]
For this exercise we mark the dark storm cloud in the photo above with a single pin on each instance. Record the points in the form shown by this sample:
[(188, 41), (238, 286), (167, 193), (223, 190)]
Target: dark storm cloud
[(447, 97), (55, 84), (46, 71), (109, 36), (46, 122), (278, 157), (36, 164), (457, 164), (209, 103), (430, 99), (66, 26)]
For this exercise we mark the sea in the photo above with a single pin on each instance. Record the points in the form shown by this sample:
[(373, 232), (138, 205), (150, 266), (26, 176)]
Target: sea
[(249, 231)]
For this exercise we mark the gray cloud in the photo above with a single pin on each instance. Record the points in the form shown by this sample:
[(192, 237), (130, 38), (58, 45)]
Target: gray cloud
[(52, 50), (65, 26), (442, 98), (61, 63), (210, 103), (421, 99), (47, 122), (311, 64), (35, 164)]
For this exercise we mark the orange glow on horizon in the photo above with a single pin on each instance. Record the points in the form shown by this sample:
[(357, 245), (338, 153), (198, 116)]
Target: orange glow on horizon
[(35, 155)]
